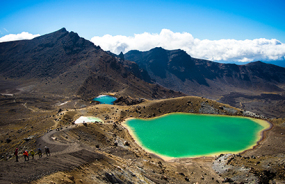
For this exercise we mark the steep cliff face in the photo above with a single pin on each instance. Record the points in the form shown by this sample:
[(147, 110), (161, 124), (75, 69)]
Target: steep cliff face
[(64, 63), (176, 70)]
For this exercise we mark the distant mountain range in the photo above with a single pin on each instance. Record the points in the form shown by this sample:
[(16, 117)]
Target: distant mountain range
[(176, 70), (274, 62), (64, 63)]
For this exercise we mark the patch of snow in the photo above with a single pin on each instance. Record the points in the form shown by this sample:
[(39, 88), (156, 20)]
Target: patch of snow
[(101, 96), (88, 119), (7, 94), (63, 103)]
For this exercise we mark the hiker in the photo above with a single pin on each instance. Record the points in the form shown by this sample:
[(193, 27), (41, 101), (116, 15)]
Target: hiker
[(40, 153), (16, 154), (26, 155), (32, 153), (47, 151)]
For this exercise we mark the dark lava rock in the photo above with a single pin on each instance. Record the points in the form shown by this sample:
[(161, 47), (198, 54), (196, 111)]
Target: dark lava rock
[(126, 143), (265, 176), (128, 101), (8, 140), (112, 178), (228, 180)]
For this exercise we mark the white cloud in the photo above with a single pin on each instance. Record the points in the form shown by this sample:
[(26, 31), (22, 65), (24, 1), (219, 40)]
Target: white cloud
[(21, 36), (216, 50)]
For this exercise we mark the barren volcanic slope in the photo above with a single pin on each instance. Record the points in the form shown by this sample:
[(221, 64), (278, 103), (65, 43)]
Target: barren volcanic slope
[(176, 70), (63, 63)]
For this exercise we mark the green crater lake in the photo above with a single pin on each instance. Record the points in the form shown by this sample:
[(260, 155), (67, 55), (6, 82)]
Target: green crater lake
[(181, 135)]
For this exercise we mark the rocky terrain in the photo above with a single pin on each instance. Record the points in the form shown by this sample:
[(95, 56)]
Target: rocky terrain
[(48, 82), (270, 105), (256, 81), (106, 153)]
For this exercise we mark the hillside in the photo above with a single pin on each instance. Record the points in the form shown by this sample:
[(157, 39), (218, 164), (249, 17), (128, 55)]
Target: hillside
[(177, 70), (63, 63), (257, 86), (106, 153)]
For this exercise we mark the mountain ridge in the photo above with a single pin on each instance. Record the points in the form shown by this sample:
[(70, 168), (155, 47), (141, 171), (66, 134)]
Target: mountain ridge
[(62, 62), (179, 71)]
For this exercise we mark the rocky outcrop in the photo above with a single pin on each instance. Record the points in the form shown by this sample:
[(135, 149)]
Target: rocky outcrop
[(208, 109), (252, 114), (128, 101)]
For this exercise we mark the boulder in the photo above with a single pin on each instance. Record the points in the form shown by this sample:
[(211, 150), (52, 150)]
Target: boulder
[(112, 178), (8, 140)]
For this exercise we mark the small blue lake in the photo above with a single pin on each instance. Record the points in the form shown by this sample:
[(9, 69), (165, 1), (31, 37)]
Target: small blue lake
[(105, 99)]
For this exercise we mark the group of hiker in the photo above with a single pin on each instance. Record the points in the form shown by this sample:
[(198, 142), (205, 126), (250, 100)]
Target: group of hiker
[(26, 154)]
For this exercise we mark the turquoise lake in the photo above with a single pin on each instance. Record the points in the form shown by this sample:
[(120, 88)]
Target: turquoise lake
[(182, 135), (105, 99)]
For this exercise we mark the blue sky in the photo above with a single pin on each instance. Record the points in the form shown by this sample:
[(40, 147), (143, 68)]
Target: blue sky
[(203, 19)]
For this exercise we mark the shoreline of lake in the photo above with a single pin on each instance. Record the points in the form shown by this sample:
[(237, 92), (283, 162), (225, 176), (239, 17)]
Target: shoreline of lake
[(259, 136)]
